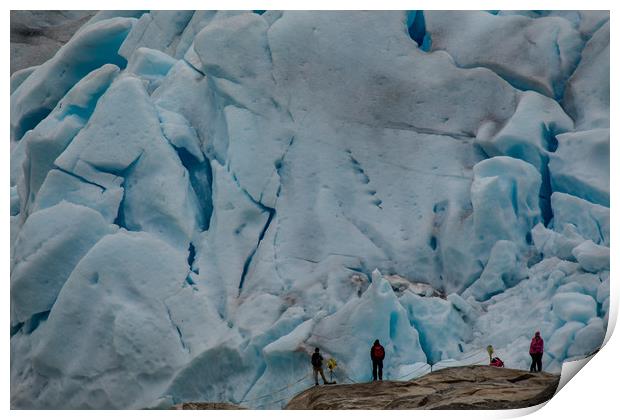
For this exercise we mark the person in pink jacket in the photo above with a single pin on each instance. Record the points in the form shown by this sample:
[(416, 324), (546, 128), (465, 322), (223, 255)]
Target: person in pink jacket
[(537, 347)]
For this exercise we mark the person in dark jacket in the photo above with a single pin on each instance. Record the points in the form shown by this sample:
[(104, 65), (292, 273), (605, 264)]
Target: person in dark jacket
[(317, 367), (537, 347), (377, 354)]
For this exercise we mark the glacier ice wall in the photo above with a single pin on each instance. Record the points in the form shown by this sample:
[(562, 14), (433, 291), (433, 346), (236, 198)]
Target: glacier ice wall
[(198, 199)]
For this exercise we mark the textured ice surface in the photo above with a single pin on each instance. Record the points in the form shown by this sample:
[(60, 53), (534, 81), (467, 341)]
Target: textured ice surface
[(162, 201), (34, 156), (592, 257), (587, 22), (47, 249), (151, 65), (528, 134), (88, 50), (586, 97), (590, 220), (554, 244), (580, 165), (586, 339), (441, 325), (113, 305), (19, 76), (572, 306), (504, 196), (198, 199), (158, 30), (61, 186), (532, 54), (501, 271)]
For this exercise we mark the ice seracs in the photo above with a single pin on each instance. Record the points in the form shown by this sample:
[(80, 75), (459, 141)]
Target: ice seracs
[(198, 199), (49, 245), (532, 54), (88, 50), (580, 165)]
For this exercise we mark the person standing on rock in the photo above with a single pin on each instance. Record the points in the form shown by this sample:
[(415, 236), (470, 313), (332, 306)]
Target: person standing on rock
[(537, 347), (490, 350), (377, 354), (317, 367)]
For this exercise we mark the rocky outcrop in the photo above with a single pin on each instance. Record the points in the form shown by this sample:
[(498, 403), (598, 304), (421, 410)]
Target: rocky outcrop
[(206, 406), (459, 388), (36, 35)]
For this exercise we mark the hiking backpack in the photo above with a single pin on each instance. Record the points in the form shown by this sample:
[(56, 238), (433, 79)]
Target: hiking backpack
[(378, 352), (497, 362)]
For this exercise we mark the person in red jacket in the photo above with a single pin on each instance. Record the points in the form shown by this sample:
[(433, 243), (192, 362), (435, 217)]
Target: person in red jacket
[(537, 348), (377, 354)]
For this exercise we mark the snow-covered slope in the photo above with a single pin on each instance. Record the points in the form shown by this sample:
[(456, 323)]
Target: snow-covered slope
[(198, 199)]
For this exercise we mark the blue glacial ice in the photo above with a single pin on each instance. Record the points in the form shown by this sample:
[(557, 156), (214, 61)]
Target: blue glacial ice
[(198, 199), (46, 251), (93, 47), (580, 165), (586, 98), (34, 156), (516, 47)]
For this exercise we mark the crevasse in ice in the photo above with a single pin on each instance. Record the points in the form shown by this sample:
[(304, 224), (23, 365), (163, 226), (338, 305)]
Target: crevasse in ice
[(198, 199)]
